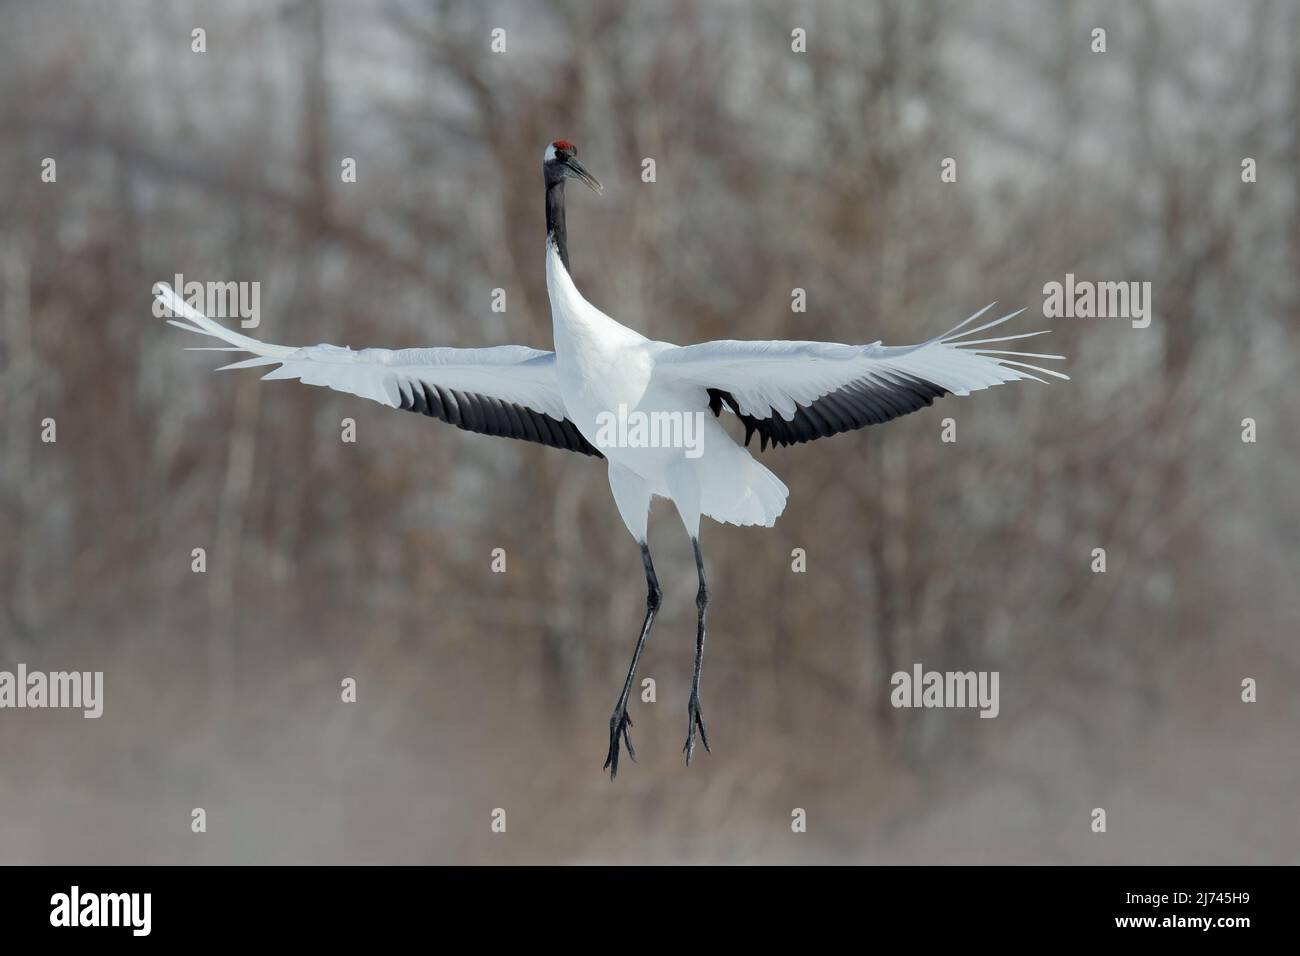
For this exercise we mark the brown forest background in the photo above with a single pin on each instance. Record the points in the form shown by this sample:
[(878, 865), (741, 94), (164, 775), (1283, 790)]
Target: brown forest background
[(775, 170)]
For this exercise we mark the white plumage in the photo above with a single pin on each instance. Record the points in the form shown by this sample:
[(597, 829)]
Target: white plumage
[(599, 365), (786, 392), (509, 372)]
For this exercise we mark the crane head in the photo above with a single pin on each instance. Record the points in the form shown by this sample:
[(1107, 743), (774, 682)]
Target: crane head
[(561, 162)]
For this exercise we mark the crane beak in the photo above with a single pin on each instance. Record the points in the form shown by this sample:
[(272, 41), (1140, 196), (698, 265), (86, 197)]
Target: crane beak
[(579, 171)]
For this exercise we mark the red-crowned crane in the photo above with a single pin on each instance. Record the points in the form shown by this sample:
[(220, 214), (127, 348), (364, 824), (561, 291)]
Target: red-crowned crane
[(602, 372)]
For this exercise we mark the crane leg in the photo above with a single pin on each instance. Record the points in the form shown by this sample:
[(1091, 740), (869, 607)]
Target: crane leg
[(619, 721), (693, 718)]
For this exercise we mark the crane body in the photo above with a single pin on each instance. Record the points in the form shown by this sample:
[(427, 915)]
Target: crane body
[(783, 392)]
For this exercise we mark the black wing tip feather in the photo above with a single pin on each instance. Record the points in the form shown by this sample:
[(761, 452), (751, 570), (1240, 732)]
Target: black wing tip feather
[(485, 415), (857, 405)]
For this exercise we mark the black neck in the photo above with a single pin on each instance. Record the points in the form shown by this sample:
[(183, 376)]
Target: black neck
[(555, 219)]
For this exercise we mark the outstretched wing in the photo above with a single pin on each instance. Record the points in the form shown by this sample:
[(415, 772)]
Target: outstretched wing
[(793, 392), (509, 390)]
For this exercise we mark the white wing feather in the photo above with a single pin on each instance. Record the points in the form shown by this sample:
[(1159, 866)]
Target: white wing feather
[(768, 378), (508, 373)]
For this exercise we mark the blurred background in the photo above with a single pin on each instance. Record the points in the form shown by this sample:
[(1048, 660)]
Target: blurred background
[(775, 170)]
